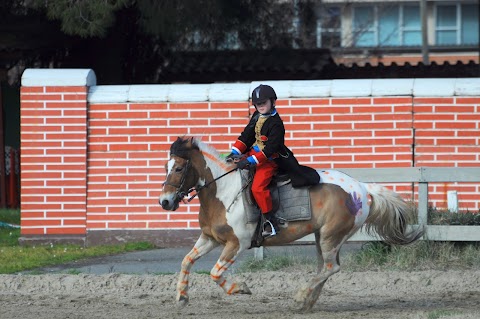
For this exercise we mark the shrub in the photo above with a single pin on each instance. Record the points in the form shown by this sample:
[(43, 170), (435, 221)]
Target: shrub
[(442, 217)]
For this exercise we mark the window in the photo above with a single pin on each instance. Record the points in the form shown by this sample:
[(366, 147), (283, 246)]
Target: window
[(329, 28), (391, 25), (456, 24), (469, 26), (388, 30), (447, 27), (411, 28), (364, 27)]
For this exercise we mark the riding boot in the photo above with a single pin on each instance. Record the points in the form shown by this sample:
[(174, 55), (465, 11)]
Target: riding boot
[(270, 225)]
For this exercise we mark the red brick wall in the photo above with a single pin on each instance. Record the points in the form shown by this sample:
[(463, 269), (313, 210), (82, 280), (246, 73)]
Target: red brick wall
[(53, 160), (361, 132), (66, 189), (447, 132), (128, 148)]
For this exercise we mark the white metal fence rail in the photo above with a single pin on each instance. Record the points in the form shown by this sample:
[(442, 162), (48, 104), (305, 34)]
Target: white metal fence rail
[(422, 176)]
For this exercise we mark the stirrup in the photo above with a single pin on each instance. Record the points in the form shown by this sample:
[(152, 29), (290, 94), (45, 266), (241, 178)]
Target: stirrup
[(265, 233)]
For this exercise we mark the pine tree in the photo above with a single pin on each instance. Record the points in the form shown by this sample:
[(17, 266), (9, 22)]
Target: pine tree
[(86, 18)]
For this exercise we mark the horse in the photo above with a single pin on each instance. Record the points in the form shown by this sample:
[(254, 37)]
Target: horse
[(337, 213)]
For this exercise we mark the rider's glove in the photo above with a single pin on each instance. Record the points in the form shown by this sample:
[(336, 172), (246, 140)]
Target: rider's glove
[(230, 157), (233, 156), (243, 164)]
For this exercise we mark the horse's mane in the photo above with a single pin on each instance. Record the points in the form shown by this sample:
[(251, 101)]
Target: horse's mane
[(182, 148)]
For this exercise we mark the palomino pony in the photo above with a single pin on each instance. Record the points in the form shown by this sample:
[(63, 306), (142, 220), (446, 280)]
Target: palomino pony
[(339, 207)]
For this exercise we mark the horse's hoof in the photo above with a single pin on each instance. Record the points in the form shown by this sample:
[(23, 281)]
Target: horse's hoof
[(243, 289), (301, 295), (182, 301), (305, 309)]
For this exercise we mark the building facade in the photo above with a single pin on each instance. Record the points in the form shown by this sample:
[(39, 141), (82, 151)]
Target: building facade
[(390, 31)]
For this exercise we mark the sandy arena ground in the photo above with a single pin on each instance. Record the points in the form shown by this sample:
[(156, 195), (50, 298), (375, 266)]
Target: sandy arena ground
[(347, 295)]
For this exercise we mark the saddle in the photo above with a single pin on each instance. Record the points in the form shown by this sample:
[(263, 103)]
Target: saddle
[(289, 203)]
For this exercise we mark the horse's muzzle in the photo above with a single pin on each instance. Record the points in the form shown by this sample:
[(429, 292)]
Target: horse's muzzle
[(168, 202)]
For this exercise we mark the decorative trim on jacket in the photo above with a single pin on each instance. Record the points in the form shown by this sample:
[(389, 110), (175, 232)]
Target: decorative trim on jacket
[(272, 134)]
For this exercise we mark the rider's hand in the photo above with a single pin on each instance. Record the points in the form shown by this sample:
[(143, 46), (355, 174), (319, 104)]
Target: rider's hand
[(230, 158), (243, 164)]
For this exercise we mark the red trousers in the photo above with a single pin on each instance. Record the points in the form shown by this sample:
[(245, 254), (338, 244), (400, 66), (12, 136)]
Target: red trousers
[(263, 176)]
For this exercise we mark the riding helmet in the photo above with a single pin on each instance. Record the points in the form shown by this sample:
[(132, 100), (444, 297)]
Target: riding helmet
[(262, 93)]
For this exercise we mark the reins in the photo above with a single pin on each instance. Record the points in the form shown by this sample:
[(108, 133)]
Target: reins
[(197, 190), (179, 194)]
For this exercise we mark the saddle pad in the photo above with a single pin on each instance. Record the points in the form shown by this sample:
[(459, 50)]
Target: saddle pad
[(293, 204)]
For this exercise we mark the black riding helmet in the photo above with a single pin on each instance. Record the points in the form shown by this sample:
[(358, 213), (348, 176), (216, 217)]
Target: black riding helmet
[(262, 93)]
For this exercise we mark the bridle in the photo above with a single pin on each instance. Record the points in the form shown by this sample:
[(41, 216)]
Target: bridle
[(179, 194)]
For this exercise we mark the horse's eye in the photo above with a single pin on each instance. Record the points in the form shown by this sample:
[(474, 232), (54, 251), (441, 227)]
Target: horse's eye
[(178, 169)]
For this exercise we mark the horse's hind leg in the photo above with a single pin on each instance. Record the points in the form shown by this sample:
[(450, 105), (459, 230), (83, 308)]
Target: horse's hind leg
[(203, 245), (227, 258)]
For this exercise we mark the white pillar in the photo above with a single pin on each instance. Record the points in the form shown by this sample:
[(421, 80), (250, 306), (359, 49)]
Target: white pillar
[(258, 253), (452, 201)]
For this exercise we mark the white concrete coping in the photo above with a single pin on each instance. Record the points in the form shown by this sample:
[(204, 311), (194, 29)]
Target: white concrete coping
[(434, 87), (58, 77), (108, 93), (310, 89), (467, 87), (351, 88), (234, 92), (148, 93), (396, 87), (218, 92), (239, 92)]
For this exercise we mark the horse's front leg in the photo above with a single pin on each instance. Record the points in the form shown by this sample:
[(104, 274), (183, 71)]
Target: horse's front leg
[(203, 245), (227, 258)]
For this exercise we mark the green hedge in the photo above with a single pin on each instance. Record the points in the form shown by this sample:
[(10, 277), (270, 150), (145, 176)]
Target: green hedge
[(442, 217), (10, 216)]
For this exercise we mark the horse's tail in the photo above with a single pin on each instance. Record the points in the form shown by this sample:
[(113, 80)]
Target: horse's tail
[(389, 216)]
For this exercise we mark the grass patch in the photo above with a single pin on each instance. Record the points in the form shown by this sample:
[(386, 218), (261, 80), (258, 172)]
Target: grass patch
[(436, 314), (418, 256), (10, 216), (377, 256), (9, 236), (275, 263), (17, 258)]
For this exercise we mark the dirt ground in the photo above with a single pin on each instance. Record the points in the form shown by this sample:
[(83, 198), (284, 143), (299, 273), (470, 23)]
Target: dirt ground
[(347, 295)]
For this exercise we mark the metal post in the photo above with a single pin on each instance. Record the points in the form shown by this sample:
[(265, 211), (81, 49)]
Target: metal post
[(258, 253), (3, 202), (12, 181), (422, 204), (423, 16)]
